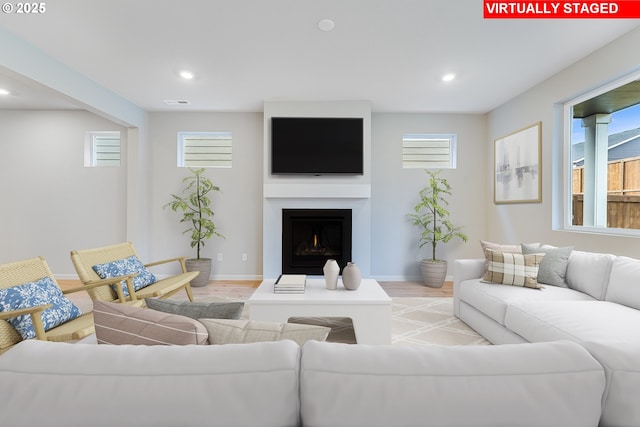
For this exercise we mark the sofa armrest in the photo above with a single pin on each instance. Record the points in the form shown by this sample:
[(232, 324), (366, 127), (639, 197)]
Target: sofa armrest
[(465, 269)]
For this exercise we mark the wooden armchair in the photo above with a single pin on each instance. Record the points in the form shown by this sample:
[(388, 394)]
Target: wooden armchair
[(84, 260), (31, 270)]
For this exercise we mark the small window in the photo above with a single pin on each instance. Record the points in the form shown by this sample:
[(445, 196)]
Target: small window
[(429, 151), (205, 149), (102, 149)]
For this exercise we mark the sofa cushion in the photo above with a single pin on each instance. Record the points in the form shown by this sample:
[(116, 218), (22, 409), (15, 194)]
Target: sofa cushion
[(553, 267), (197, 310), (224, 331), (493, 300), (123, 267), (509, 268), (150, 386), (573, 320), (624, 282), (31, 294), (123, 324), (588, 272), (544, 384), (620, 400)]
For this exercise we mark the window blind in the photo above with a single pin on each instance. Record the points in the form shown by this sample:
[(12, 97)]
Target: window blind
[(212, 149), (428, 151)]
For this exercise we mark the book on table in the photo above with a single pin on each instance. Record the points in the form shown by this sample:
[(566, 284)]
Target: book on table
[(290, 283)]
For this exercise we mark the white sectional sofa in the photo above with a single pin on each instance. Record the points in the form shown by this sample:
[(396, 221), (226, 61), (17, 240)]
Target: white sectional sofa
[(599, 308), (282, 384)]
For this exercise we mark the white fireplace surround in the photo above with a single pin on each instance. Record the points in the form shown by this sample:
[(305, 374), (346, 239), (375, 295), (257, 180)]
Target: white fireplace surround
[(316, 192), (272, 216)]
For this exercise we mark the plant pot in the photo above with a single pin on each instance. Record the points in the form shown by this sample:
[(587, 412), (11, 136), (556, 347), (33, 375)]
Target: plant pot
[(434, 273), (203, 265)]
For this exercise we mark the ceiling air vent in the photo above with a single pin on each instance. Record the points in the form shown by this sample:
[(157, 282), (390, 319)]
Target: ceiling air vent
[(176, 102)]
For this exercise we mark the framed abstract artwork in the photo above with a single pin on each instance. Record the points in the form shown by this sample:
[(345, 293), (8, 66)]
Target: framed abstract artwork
[(517, 166)]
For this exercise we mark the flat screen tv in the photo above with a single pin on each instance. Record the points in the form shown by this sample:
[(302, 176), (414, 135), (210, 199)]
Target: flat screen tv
[(317, 145)]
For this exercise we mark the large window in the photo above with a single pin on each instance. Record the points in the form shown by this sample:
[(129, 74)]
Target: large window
[(205, 149), (429, 151), (604, 151)]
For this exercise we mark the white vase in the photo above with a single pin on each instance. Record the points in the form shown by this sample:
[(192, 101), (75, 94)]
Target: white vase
[(331, 272), (351, 276)]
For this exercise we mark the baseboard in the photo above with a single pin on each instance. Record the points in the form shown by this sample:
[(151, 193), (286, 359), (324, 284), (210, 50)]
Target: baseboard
[(238, 277), (404, 278), (260, 277), (66, 277), (162, 276)]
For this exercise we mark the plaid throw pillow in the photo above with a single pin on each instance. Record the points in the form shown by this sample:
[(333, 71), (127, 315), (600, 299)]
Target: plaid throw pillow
[(512, 269)]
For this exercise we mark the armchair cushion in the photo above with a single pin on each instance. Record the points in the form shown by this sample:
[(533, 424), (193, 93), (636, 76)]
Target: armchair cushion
[(198, 310), (40, 292), (122, 267)]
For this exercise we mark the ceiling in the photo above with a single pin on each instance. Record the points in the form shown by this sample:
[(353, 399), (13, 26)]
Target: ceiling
[(243, 52), (609, 102)]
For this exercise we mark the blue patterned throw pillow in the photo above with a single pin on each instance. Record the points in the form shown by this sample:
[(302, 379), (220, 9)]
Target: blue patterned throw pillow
[(123, 267), (40, 292)]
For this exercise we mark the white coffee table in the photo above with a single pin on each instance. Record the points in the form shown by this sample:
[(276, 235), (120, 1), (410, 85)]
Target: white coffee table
[(369, 307)]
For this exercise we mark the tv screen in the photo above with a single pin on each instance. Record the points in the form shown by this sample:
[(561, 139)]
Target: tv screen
[(317, 145)]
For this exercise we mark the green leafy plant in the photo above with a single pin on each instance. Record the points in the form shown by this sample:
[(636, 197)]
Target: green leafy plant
[(432, 217), (195, 206)]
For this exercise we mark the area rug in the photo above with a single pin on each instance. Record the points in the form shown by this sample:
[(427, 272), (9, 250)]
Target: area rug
[(414, 321)]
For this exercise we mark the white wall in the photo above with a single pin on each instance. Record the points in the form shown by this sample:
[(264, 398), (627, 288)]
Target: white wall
[(394, 242), (238, 208), (533, 222), (51, 203)]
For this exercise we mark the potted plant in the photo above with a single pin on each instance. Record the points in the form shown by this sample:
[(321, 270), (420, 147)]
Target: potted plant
[(195, 206), (431, 216)]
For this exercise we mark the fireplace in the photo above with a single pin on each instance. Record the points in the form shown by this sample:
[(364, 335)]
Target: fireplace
[(312, 236)]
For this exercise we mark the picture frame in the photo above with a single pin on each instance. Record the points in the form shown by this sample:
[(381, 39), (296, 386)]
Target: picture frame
[(518, 166)]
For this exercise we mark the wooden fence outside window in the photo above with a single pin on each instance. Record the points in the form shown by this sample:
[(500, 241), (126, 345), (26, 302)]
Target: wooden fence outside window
[(623, 193)]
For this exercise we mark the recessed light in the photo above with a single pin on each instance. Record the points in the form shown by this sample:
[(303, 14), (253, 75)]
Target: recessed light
[(326, 25), (448, 77), (4, 92), (187, 75)]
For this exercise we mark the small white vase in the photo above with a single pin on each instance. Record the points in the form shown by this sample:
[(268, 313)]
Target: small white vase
[(351, 276), (331, 272)]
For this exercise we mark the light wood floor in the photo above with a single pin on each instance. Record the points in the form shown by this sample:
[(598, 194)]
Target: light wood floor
[(240, 288)]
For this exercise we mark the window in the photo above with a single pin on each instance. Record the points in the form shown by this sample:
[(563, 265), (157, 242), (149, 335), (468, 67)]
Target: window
[(604, 159), (102, 149), (205, 149), (429, 151)]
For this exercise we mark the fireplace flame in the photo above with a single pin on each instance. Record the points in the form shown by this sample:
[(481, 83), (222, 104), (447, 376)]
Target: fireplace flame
[(315, 240)]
